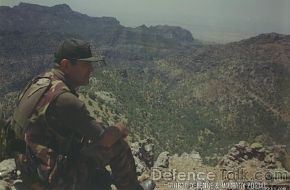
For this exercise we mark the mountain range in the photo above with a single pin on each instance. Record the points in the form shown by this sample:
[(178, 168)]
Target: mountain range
[(169, 86)]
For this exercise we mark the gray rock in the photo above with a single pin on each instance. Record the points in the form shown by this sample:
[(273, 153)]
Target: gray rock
[(262, 150), (162, 160), (271, 166), (140, 165), (6, 168), (270, 158), (5, 186), (230, 157), (248, 150), (233, 149), (256, 146), (144, 150), (242, 144), (196, 156), (235, 153)]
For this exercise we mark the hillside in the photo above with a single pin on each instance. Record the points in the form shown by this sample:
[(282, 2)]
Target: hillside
[(209, 98), (29, 35), (166, 84)]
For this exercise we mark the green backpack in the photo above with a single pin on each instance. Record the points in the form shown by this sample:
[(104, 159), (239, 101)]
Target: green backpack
[(11, 133)]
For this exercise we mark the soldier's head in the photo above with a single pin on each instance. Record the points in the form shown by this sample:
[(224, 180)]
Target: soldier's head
[(75, 59)]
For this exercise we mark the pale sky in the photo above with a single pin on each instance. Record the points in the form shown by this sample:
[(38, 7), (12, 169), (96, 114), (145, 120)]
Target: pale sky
[(210, 20)]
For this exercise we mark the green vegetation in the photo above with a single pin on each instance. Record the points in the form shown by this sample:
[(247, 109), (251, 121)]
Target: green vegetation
[(183, 107), (204, 100)]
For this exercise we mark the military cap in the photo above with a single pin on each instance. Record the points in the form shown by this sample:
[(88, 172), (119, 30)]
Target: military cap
[(75, 49)]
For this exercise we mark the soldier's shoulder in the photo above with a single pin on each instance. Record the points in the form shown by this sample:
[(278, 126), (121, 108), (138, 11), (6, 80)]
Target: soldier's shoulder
[(69, 99)]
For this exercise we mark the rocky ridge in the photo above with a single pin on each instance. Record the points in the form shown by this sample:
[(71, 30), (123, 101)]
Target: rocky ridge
[(30, 33), (271, 157), (166, 169)]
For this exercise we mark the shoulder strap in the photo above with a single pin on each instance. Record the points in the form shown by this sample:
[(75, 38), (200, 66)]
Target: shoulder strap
[(29, 98)]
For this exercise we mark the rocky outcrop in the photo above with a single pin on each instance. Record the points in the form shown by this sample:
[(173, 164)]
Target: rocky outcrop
[(162, 160), (6, 169), (5, 186), (8, 174), (143, 152), (168, 167), (268, 157)]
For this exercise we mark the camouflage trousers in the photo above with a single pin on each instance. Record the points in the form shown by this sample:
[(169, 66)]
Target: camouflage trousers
[(84, 172), (120, 159)]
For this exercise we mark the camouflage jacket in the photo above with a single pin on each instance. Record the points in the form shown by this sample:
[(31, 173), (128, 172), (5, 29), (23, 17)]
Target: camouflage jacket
[(52, 121)]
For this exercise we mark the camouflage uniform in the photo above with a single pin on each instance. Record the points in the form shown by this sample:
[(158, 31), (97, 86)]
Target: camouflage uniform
[(61, 138)]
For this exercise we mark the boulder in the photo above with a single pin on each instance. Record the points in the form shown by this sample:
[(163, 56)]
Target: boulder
[(7, 168), (162, 160), (256, 146), (143, 153), (5, 186)]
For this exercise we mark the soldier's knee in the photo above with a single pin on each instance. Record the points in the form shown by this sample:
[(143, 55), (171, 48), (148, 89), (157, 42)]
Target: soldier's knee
[(121, 146), (125, 145)]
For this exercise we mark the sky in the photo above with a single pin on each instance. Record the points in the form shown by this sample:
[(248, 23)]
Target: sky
[(208, 20)]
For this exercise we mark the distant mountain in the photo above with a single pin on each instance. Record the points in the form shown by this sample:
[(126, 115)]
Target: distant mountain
[(29, 35), (62, 19), (59, 18), (169, 86)]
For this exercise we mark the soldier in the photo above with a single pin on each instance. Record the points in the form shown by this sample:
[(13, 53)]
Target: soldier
[(63, 144)]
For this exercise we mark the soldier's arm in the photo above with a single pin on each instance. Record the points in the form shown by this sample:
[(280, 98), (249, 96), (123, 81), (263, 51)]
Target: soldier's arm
[(69, 112), (113, 134), (73, 114)]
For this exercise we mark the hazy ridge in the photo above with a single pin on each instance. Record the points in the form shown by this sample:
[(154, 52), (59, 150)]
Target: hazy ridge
[(168, 85)]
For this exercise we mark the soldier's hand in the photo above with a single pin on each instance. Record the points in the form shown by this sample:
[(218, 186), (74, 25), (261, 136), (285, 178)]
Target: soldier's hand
[(123, 129), (112, 134)]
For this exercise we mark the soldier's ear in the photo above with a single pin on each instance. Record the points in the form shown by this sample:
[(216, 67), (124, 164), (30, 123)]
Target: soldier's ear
[(64, 65)]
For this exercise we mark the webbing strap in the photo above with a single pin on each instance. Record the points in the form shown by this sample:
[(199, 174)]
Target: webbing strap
[(29, 99)]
